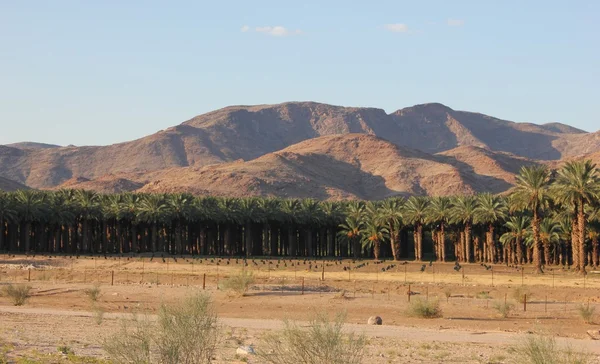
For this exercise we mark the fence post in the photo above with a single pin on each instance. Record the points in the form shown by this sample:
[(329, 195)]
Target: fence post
[(28, 274), (405, 274), (546, 304), (525, 302), (492, 277), (323, 273), (355, 288), (112, 277), (408, 293), (522, 276), (302, 285)]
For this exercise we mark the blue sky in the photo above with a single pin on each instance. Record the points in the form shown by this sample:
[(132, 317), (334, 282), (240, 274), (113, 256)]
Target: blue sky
[(83, 72)]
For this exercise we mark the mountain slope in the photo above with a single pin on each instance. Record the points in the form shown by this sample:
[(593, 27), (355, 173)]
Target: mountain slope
[(249, 132), (10, 186), (335, 167)]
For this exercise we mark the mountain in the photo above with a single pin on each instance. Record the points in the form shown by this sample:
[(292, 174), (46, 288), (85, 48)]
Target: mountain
[(247, 133), (32, 145), (345, 166), (10, 186)]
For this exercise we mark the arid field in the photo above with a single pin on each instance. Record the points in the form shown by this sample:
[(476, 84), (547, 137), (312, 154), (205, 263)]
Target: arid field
[(60, 315)]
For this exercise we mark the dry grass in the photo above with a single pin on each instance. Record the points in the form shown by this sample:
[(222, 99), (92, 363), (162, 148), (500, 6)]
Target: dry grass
[(424, 308), (19, 294), (238, 284), (544, 350), (504, 309), (587, 312), (322, 342), (184, 333), (93, 293)]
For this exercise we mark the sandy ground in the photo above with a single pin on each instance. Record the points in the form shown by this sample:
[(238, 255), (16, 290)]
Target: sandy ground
[(470, 331)]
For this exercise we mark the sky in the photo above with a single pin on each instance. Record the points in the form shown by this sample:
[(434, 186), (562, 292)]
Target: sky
[(101, 72)]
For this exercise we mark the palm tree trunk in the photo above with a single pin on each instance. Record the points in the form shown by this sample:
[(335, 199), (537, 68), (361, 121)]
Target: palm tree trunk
[(575, 240), (274, 239), (535, 226), (547, 252), (293, 241), (468, 242), (595, 251), (330, 242), (582, 250), (443, 241), (2, 234), (376, 249), (519, 251)]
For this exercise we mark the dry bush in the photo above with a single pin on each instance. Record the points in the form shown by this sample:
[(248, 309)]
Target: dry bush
[(238, 284), (587, 313), (448, 293), (504, 308), (323, 341), (19, 294), (424, 308), (519, 294), (93, 293), (184, 333), (544, 350)]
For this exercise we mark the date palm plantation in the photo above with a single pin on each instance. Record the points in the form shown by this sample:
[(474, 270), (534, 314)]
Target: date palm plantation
[(557, 217)]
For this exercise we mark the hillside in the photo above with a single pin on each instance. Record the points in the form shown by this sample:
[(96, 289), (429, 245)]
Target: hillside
[(10, 186), (250, 132), (340, 166)]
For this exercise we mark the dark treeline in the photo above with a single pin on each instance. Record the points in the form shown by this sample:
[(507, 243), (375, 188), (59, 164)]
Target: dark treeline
[(549, 218)]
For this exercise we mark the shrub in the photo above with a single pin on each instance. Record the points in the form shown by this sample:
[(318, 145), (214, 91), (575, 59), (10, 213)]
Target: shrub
[(98, 315), (323, 341), (484, 295), (238, 284), (425, 309), (93, 293), (503, 308), (19, 294), (519, 294), (587, 313), (184, 333), (544, 350), (448, 294)]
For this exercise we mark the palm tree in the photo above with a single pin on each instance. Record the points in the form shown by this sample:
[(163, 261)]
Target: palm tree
[(415, 213), (152, 210), (180, 206), (549, 238), (333, 218), (8, 214), (355, 211), (594, 234), (531, 192), (373, 233), (291, 211), (30, 208), (311, 217), (350, 231), (578, 184), (89, 210), (438, 214), (490, 211), (463, 212), (517, 227), (390, 211)]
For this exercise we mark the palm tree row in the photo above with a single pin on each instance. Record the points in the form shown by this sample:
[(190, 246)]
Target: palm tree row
[(550, 217)]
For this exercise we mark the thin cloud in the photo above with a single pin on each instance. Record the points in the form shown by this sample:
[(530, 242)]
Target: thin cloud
[(456, 22), (245, 28), (397, 28), (277, 31)]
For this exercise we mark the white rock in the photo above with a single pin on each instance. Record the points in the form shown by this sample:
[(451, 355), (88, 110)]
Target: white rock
[(245, 350)]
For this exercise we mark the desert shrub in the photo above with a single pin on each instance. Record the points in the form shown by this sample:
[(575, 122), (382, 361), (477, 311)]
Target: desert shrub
[(448, 293), (519, 294), (544, 350), (184, 333), (587, 313), (424, 308), (503, 308), (484, 295), (323, 341), (239, 283), (19, 294), (93, 293), (98, 315)]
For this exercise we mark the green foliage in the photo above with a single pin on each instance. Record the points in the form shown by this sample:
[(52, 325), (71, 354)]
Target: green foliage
[(424, 308), (323, 341)]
